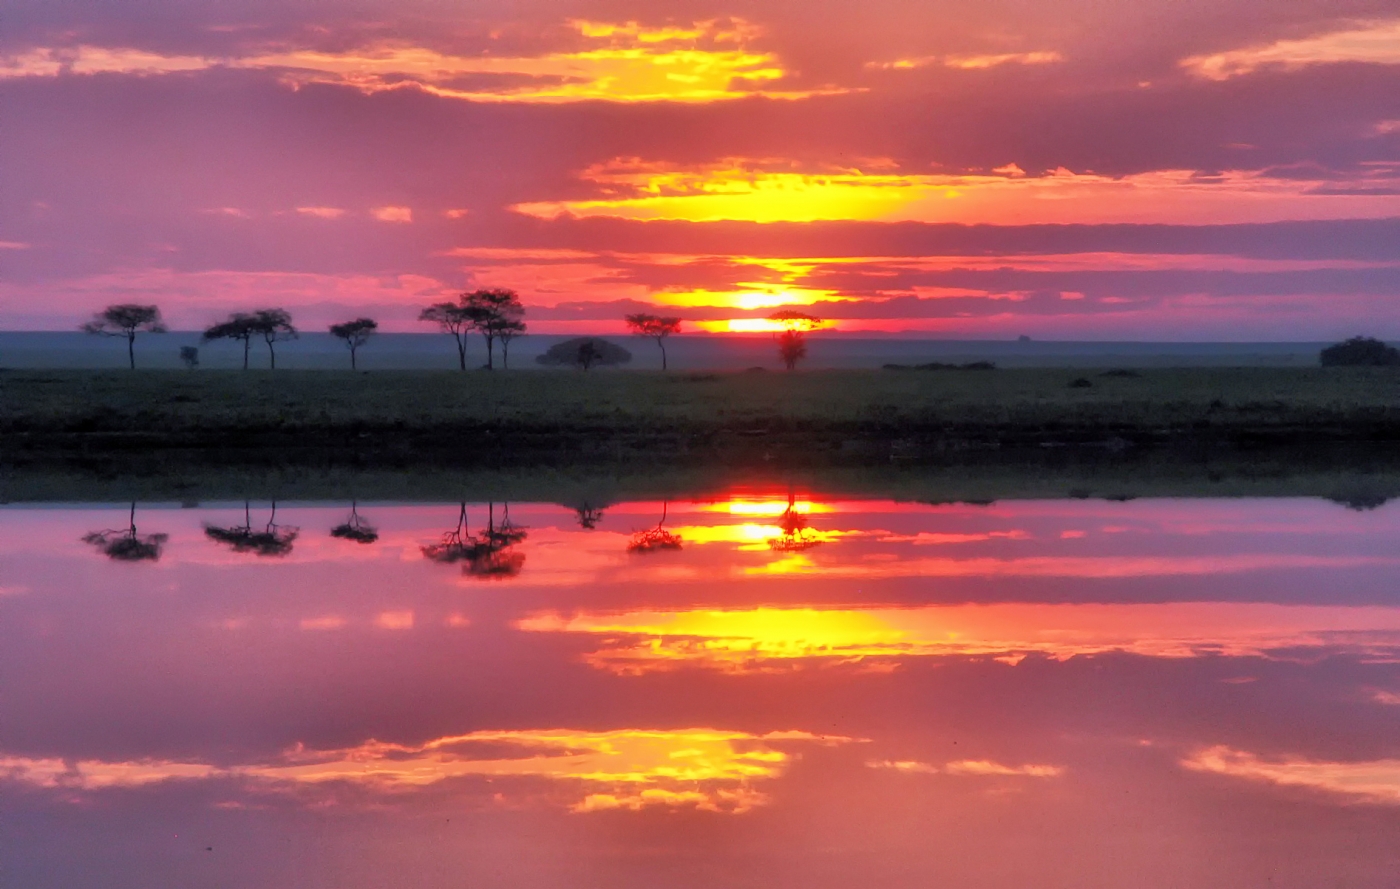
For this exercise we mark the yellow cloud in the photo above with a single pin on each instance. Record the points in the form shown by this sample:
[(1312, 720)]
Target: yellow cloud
[(1374, 43), (970, 62)]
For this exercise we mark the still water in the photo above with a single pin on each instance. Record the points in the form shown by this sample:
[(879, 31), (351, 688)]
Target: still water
[(762, 688)]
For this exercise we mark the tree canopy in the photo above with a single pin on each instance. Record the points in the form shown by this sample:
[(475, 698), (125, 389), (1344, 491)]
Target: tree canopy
[(656, 327), (792, 339), (125, 320), (585, 352), (239, 326), (355, 334), (1360, 351)]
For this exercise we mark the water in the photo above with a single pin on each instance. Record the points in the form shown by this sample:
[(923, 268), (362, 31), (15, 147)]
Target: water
[(762, 688)]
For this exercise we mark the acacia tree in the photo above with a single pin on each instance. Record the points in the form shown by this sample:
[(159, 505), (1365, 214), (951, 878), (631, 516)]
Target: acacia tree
[(491, 313), (450, 318), (507, 332), (355, 333), (584, 353), (656, 327), (792, 340), (239, 326), (125, 320), (127, 545), (273, 325)]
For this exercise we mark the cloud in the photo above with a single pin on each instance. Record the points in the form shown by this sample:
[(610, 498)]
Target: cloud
[(393, 214), (971, 62), (1376, 43), (1372, 781), (322, 212), (978, 767)]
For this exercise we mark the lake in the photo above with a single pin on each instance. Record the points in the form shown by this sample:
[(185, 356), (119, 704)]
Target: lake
[(757, 687)]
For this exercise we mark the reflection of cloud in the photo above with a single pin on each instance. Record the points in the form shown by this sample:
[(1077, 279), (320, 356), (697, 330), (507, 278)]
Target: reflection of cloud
[(1377, 43), (629, 768), (1376, 781), (763, 638), (620, 63), (968, 767)]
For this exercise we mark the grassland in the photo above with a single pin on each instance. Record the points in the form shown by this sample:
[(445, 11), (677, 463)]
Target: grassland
[(480, 418)]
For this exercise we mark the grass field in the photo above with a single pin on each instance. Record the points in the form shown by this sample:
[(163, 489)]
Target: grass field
[(569, 412)]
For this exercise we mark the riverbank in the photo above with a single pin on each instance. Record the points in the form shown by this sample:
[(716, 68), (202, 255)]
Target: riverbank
[(813, 418)]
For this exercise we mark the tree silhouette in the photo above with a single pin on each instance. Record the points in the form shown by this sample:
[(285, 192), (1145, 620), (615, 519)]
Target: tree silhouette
[(792, 341), (1360, 351), (450, 318), (273, 325), (654, 539), (506, 332), (126, 320), (584, 352), (355, 528), (273, 540), (486, 555), (656, 327), (189, 357), (355, 334), (589, 515), (491, 313), (240, 326), (126, 545), (794, 525)]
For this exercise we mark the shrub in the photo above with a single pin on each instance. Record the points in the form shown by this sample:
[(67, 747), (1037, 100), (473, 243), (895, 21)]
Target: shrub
[(585, 352), (1360, 351)]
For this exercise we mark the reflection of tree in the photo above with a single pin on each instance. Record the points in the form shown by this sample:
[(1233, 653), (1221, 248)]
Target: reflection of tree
[(589, 515), (488, 554), (654, 539), (356, 528), (794, 524), (273, 540), (126, 545)]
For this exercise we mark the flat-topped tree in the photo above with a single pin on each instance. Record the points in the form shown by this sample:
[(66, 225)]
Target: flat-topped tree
[(450, 318), (656, 327), (585, 353), (493, 312), (792, 340), (355, 334), (126, 320), (273, 325), (240, 326)]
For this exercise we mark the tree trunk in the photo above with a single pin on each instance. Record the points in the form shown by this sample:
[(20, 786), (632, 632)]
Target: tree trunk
[(505, 354), (131, 349), (352, 358), (271, 356), (490, 353), (247, 343), (461, 351), (663, 353)]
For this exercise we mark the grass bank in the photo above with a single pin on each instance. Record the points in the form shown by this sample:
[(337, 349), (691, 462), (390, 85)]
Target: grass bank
[(480, 418)]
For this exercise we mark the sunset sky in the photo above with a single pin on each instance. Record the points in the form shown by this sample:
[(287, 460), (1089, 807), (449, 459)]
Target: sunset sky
[(1177, 169)]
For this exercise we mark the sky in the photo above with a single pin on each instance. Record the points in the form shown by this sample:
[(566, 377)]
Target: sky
[(1178, 169)]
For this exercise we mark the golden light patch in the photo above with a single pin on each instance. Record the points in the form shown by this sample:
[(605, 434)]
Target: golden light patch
[(1375, 781), (704, 768), (756, 639)]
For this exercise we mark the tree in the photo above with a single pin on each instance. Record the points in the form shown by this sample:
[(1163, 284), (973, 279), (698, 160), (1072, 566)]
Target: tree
[(656, 327), (355, 528), (507, 332), (792, 341), (450, 318), (654, 539), (486, 555), (273, 325), (189, 357), (491, 313), (355, 333), (127, 545), (125, 320), (1360, 351), (239, 326), (274, 540), (584, 352)]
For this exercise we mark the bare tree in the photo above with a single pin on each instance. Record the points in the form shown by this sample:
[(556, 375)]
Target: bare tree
[(654, 539), (656, 327), (273, 325), (240, 326), (792, 341), (355, 333), (126, 320), (450, 318), (126, 545)]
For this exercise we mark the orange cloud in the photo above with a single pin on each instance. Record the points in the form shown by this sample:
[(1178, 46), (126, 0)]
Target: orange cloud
[(1374, 781), (1376, 43)]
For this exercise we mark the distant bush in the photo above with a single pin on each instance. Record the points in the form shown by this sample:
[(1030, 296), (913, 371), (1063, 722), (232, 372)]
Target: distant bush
[(585, 352), (1080, 383), (1120, 372), (1360, 351)]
